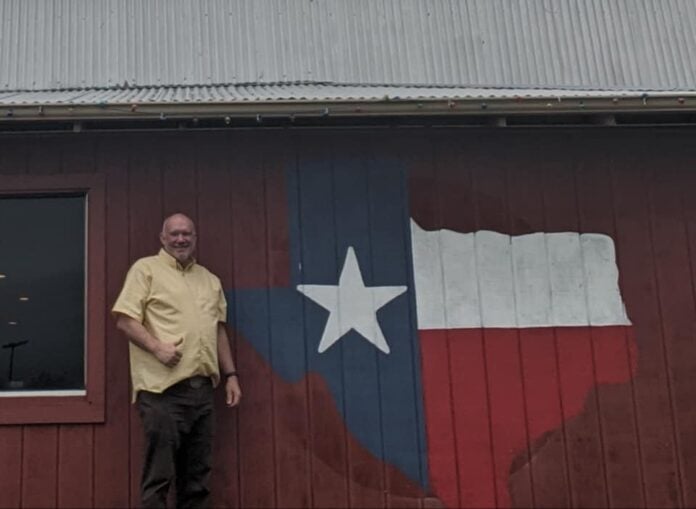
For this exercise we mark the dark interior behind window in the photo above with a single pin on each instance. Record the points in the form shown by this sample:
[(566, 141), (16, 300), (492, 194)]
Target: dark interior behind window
[(42, 292)]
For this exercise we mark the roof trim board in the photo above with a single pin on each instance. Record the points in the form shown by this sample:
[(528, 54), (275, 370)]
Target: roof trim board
[(322, 100)]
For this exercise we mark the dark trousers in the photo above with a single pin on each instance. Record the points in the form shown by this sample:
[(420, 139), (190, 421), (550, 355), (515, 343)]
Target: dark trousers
[(178, 428)]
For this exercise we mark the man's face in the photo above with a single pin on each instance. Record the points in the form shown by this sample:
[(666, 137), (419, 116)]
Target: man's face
[(178, 238)]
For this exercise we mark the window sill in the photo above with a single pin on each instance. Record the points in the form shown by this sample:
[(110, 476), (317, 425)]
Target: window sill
[(36, 394), (50, 410)]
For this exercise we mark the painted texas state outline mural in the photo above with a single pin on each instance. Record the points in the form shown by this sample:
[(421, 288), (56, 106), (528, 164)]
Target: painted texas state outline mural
[(434, 359)]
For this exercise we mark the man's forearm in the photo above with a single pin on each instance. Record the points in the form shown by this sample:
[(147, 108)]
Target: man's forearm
[(233, 393), (224, 351), (137, 333), (168, 354)]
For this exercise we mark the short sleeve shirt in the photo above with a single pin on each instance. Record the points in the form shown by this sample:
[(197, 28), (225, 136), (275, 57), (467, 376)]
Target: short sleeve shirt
[(173, 303)]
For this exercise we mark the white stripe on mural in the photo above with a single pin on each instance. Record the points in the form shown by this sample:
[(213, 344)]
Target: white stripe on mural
[(487, 279)]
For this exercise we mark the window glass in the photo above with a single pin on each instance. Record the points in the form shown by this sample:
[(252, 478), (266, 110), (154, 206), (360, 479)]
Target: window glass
[(42, 292)]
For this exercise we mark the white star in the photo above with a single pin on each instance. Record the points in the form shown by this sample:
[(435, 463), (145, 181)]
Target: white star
[(352, 305)]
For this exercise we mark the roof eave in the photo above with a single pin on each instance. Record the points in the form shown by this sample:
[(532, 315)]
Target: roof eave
[(495, 106)]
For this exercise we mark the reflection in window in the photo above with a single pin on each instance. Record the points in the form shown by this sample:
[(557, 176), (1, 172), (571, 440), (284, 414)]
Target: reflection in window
[(42, 292)]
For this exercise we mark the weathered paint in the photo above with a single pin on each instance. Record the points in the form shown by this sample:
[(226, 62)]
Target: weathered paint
[(552, 416), (505, 288), (487, 279)]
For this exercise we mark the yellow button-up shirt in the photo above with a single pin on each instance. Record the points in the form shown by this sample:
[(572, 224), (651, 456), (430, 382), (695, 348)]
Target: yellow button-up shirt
[(173, 302)]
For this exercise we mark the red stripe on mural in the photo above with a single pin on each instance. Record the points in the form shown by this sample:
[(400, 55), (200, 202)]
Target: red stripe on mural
[(491, 393), (506, 399), (440, 427), (474, 449), (543, 402)]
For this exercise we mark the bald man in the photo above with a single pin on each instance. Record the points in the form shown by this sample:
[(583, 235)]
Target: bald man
[(173, 312)]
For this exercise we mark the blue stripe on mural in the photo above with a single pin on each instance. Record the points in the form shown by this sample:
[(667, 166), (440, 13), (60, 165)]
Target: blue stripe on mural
[(334, 205)]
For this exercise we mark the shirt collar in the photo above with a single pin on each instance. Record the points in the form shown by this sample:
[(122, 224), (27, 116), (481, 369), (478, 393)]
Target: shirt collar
[(173, 262)]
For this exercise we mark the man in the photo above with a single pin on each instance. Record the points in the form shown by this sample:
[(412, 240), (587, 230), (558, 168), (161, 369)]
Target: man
[(173, 312)]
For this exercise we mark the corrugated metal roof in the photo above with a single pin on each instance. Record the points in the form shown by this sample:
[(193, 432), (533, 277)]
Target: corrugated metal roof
[(575, 44)]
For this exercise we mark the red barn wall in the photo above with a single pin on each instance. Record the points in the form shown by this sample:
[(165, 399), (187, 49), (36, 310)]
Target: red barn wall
[(631, 445)]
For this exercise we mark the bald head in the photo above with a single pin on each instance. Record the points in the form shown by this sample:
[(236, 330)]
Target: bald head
[(177, 217), (178, 237)]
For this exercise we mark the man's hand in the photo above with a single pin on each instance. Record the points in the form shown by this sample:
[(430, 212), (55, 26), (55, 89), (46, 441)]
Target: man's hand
[(232, 391), (168, 354)]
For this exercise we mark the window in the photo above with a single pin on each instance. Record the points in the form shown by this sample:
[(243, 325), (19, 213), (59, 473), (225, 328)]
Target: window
[(51, 299), (42, 275)]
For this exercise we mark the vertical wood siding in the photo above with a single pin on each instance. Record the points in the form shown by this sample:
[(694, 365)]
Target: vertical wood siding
[(525, 437)]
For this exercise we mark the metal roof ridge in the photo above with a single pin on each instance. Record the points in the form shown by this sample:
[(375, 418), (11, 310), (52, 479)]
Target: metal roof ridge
[(188, 86)]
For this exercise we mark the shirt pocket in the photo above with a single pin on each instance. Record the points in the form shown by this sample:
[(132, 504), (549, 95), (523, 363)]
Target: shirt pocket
[(209, 301)]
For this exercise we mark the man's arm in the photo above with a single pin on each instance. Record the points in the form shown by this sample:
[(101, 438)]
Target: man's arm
[(168, 354), (233, 393)]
